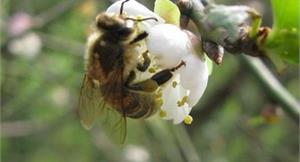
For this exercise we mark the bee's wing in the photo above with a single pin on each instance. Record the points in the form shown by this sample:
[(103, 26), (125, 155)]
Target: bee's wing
[(93, 107), (90, 104), (115, 126)]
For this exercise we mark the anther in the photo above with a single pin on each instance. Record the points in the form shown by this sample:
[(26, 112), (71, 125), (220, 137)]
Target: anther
[(188, 119)]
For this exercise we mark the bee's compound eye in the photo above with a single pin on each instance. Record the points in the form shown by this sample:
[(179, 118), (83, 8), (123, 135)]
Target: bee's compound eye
[(124, 31)]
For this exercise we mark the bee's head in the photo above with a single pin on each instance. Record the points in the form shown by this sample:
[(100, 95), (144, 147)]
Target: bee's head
[(113, 25)]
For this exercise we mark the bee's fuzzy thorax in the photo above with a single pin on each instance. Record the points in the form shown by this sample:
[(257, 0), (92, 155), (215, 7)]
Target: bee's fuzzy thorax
[(88, 50)]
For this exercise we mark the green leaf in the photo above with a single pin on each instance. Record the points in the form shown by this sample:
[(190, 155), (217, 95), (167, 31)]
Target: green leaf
[(209, 65), (286, 13), (168, 11), (284, 38)]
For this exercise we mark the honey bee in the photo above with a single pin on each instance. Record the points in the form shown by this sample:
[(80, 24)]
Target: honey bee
[(108, 90)]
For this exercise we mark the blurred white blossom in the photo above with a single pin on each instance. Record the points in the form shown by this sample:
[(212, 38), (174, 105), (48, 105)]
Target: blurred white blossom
[(60, 96), (19, 23), (28, 45), (134, 153)]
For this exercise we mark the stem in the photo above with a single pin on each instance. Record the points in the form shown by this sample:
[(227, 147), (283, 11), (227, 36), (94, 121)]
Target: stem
[(273, 87), (185, 143), (166, 139), (256, 24), (113, 152)]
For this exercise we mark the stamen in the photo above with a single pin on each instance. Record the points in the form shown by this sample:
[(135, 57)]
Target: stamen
[(159, 90), (139, 17), (152, 70), (162, 113), (174, 84), (179, 103), (158, 94), (182, 101), (188, 119), (159, 102)]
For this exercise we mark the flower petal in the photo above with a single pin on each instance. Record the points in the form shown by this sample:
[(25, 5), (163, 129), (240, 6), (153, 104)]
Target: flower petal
[(194, 77), (171, 95), (167, 43)]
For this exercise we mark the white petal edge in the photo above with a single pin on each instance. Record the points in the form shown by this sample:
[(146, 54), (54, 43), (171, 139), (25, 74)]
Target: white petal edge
[(170, 96), (194, 77)]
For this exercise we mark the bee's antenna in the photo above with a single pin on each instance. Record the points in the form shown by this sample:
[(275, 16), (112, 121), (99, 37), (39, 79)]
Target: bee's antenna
[(122, 6), (149, 18), (140, 20)]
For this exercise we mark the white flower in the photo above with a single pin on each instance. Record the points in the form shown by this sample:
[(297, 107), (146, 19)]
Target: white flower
[(168, 45)]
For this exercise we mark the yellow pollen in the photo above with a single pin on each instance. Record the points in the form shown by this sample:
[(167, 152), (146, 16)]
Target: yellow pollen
[(159, 102), (174, 84), (162, 113), (139, 17), (152, 70), (158, 94), (155, 67), (182, 101), (159, 90), (188, 119)]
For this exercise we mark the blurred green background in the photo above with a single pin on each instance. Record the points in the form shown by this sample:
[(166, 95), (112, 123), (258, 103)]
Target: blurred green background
[(42, 46)]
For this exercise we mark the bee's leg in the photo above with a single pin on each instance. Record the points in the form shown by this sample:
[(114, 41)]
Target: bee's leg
[(144, 66), (130, 78), (151, 84), (140, 37)]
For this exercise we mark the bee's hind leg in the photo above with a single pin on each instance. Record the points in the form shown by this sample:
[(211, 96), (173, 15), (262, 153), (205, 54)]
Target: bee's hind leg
[(144, 66), (151, 84)]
